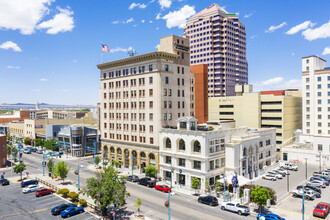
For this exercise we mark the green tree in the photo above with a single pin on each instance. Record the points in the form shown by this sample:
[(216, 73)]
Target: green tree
[(207, 184), (138, 205), (105, 164), (260, 195), (27, 141), (196, 183), (106, 188), (49, 165), (8, 137), (48, 145), (97, 160), (116, 163), (19, 168), (39, 142), (150, 170), (9, 149), (73, 196), (61, 169)]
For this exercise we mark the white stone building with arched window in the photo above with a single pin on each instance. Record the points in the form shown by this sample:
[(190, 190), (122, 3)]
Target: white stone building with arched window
[(206, 153)]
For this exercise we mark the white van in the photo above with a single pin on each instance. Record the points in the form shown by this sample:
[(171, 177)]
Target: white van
[(289, 166)]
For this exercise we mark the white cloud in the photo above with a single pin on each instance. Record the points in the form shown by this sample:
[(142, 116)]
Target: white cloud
[(272, 81), (75, 61), (326, 51), (133, 5), (36, 90), (179, 18), (10, 45), (13, 67), (62, 22), (43, 80), (321, 32), (150, 21), (119, 49), (157, 28), (23, 15), (165, 3), (292, 54), (253, 37), (158, 16), (124, 22), (277, 83), (248, 15), (274, 28), (157, 46), (143, 21), (300, 27)]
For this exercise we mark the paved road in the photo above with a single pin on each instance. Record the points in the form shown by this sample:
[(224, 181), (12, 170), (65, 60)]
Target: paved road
[(182, 206), (16, 205)]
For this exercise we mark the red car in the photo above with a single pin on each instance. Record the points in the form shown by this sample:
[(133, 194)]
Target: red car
[(322, 210), (163, 188), (43, 191)]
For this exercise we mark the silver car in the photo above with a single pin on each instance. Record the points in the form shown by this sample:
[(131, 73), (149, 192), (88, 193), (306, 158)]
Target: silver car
[(278, 175), (269, 177), (31, 188), (235, 207), (316, 183)]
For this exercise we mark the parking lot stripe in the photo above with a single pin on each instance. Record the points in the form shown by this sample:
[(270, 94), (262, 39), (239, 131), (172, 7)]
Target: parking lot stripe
[(45, 204), (298, 213), (44, 199), (40, 210), (20, 213)]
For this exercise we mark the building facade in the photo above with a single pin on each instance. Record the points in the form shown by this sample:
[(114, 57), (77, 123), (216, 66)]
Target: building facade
[(218, 39), (3, 151), (16, 116), (313, 143), (139, 96), (268, 109), (191, 151)]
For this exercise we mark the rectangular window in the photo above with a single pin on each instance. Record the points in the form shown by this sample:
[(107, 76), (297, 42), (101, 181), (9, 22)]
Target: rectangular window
[(169, 104), (182, 162), (197, 165), (166, 80), (165, 104), (150, 68), (178, 69), (319, 86), (319, 78), (151, 104), (169, 92), (319, 147), (168, 159), (178, 104), (151, 116), (178, 81), (182, 70), (182, 82), (178, 93), (151, 92), (150, 80), (165, 116), (151, 129), (170, 116), (166, 68)]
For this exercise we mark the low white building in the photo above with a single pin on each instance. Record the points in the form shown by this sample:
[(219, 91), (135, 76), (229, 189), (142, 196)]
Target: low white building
[(206, 153)]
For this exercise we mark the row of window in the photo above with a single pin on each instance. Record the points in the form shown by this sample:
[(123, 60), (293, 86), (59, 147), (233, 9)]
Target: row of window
[(182, 162), (127, 138)]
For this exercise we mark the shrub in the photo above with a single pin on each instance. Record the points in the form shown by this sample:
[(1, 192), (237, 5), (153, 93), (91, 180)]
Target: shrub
[(73, 196), (76, 203), (64, 192), (82, 202)]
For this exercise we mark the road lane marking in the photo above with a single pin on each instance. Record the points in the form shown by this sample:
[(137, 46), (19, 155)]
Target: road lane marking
[(22, 213)]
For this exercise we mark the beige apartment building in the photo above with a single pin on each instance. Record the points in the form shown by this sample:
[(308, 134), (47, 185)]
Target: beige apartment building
[(280, 109), (139, 96)]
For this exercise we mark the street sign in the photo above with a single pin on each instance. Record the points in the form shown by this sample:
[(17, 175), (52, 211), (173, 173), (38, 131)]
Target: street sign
[(27, 173), (180, 171)]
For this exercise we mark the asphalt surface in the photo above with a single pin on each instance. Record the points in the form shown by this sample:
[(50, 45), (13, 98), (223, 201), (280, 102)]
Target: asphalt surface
[(182, 206), (14, 205)]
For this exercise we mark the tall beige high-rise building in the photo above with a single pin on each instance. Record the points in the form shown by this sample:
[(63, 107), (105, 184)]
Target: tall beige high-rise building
[(139, 96), (218, 39)]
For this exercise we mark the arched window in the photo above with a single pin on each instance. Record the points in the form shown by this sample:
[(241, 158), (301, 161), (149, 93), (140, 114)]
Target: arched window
[(182, 145), (197, 147), (168, 143)]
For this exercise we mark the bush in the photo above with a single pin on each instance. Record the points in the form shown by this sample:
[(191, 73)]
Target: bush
[(73, 196), (76, 203), (64, 192), (82, 202)]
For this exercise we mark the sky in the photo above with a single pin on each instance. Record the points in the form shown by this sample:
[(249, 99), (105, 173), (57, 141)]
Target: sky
[(49, 49)]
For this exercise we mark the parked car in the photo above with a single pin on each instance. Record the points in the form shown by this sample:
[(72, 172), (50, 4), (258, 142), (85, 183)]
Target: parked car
[(279, 172), (316, 183), (319, 179), (31, 188), (322, 210), (58, 209), (309, 195), (72, 211), (43, 191), (25, 183), (288, 166), (314, 189), (163, 188), (34, 149), (4, 182), (209, 200), (269, 177), (40, 151), (286, 172), (322, 173), (27, 151), (147, 182), (235, 207), (269, 216), (277, 175), (133, 178), (325, 178)]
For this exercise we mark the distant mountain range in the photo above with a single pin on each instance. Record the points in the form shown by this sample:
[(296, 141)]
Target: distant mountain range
[(20, 105), (24, 104)]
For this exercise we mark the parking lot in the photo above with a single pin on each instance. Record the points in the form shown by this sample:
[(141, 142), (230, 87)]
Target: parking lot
[(286, 202), (16, 205)]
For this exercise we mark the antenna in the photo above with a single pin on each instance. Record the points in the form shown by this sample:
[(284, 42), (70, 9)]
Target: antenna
[(132, 53)]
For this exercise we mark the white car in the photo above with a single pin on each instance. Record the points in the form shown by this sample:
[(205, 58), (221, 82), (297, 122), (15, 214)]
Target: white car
[(289, 166), (31, 188), (269, 177), (235, 207), (278, 176), (286, 172)]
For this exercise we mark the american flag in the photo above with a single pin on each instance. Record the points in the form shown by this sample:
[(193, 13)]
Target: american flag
[(105, 48)]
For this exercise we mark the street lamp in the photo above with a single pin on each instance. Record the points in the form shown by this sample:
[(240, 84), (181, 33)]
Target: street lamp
[(169, 195), (306, 168), (224, 186), (303, 204), (288, 183)]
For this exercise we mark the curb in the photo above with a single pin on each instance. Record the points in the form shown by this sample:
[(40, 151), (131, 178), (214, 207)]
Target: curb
[(96, 216)]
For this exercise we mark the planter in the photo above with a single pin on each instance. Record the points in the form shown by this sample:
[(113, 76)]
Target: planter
[(139, 217)]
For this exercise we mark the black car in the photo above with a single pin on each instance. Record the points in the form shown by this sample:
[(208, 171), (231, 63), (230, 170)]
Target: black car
[(133, 178), (209, 200), (147, 182), (58, 209), (318, 190), (34, 149), (28, 182), (4, 182)]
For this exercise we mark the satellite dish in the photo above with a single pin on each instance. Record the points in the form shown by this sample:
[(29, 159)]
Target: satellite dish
[(132, 53)]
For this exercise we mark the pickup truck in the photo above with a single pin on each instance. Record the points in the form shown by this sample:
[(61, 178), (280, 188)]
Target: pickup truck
[(309, 195), (235, 207), (289, 166)]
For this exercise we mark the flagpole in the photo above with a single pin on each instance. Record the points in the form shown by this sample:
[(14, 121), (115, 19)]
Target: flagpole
[(101, 53)]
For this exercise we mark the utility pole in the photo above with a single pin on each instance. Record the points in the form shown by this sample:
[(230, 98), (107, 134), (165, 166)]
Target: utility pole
[(306, 167), (224, 187), (78, 177), (320, 160), (303, 204), (132, 165), (19, 150), (169, 196), (288, 183)]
